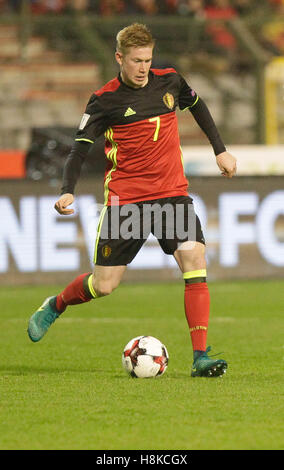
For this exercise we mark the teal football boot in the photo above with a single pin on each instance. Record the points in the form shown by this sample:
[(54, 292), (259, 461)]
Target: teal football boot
[(42, 319), (204, 366)]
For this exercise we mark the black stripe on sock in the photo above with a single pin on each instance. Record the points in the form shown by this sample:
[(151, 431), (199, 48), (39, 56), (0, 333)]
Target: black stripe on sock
[(86, 287), (195, 280)]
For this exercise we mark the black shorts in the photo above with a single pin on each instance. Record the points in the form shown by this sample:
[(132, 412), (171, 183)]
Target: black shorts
[(122, 230)]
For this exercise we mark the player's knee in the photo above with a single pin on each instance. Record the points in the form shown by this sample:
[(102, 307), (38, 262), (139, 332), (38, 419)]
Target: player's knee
[(192, 256), (198, 262), (103, 288)]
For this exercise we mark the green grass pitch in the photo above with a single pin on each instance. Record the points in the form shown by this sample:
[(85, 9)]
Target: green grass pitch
[(69, 391)]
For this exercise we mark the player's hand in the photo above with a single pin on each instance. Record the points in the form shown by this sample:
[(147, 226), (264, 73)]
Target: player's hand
[(64, 201), (227, 164)]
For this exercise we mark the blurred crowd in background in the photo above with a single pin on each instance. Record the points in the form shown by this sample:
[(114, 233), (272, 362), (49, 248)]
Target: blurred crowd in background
[(270, 31), (196, 8)]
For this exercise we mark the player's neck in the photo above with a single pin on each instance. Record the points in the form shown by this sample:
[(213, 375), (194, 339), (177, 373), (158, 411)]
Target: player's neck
[(132, 84)]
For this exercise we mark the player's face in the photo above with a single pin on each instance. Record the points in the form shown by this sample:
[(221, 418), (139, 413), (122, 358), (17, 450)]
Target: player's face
[(135, 65)]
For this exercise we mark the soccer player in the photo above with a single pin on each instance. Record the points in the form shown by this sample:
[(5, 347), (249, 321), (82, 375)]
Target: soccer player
[(136, 113)]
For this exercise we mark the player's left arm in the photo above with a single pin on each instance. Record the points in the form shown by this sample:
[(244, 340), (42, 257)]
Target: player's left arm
[(225, 161), (227, 164), (188, 99)]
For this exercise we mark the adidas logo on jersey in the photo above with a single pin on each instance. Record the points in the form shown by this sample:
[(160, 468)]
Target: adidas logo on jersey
[(129, 112)]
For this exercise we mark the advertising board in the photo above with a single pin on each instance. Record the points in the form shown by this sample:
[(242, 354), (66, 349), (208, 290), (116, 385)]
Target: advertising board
[(242, 220)]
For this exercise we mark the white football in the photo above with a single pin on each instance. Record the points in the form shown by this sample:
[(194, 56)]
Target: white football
[(144, 357)]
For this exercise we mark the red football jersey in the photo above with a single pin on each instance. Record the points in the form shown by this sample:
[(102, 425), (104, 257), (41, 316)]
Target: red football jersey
[(142, 143)]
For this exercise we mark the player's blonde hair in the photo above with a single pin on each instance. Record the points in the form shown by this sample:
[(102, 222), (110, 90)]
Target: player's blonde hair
[(135, 35)]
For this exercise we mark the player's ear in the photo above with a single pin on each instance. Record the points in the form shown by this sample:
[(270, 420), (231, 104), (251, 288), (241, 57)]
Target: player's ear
[(118, 57)]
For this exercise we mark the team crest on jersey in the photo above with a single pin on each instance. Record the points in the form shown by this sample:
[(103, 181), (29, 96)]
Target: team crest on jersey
[(106, 251), (169, 100)]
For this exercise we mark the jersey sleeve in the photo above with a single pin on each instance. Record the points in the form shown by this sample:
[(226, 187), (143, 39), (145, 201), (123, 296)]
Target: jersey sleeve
[(187, 96), (93, 122)]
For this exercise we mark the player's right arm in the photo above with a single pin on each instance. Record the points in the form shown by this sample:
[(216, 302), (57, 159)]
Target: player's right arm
[(63, 202), (71, 173), (92, 125)]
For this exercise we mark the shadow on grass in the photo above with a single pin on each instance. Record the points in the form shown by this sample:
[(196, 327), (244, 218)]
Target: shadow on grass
[(21, 370)]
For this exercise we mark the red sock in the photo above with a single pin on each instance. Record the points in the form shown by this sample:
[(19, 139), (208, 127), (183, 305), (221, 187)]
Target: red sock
[(197, 307), (75, 293)]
